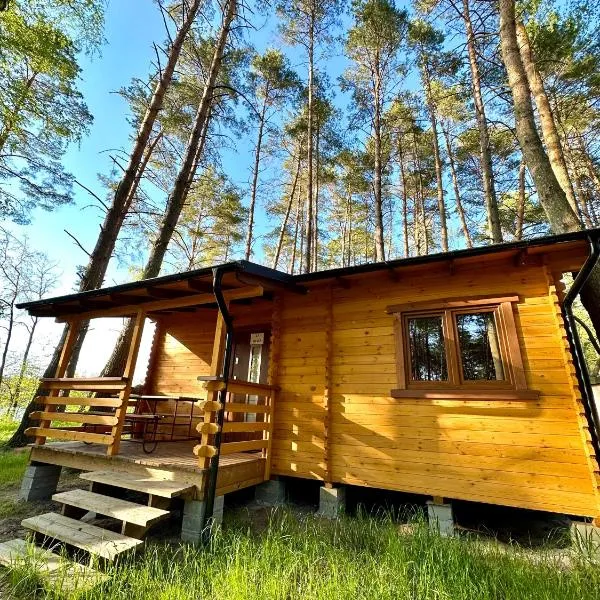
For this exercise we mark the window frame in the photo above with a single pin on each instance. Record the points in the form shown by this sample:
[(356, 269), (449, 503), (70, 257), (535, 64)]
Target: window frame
[(513, 386)]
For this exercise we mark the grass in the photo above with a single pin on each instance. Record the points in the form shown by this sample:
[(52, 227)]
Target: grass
[(299, 558), (12, 463)]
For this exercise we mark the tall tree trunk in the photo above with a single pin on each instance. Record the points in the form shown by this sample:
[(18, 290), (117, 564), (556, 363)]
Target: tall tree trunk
[(288, 210), (404, 197), (95, 271), (308, 233), (179, 193), (24, 360), (315, 245), (378, 171), (436, 155), (292, 263), (10, 325), (457, 197), (256, 167), (552, 197), (485, 155), (547, 123), (520, 202)]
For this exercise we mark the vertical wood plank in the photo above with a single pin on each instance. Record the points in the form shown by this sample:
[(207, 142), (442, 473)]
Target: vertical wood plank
[(61, 368), (216, 365), (272, 380), (134, 348), (327, 392)]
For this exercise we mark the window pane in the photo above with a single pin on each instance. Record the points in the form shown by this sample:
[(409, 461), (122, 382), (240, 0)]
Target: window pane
[(427, 352), (479, 347)]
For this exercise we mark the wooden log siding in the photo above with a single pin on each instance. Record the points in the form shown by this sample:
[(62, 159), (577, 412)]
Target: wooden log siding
[(528, 453), (531, 453)]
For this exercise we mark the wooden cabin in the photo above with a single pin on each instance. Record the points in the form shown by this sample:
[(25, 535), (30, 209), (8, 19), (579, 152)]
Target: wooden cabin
[(448, 375)]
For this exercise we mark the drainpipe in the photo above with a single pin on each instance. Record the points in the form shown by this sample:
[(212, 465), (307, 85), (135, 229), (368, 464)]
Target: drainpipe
[(213, 469), (583, 376)]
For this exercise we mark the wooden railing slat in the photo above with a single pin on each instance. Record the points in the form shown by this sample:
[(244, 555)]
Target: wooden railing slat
[(77, 401), (236, 427), (232, 447), (69, 435), (69, 417)]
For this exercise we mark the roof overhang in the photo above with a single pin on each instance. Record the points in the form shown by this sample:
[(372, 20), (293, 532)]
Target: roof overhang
[(195, 288), (242, 280)]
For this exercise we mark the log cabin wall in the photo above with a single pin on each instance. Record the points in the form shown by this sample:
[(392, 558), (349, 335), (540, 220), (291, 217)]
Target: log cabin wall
[(336, 420), (182, 350)]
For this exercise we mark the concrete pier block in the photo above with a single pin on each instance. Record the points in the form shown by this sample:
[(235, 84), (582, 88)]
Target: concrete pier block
[(270, 493), (585, 536), (193, 518), (441, 518), (39, 482), (332, 502)]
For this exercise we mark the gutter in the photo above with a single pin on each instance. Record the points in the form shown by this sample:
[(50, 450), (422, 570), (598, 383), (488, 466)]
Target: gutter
[(213, 470), (581, 370)]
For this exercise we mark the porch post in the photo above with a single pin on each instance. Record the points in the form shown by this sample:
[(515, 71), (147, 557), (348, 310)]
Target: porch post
[(213, 396), (63, 363), (117, 430)]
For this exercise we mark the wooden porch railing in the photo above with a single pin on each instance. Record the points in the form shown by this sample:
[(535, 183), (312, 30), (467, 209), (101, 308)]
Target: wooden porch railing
[(208, 428), (120, 387), (115, 407)]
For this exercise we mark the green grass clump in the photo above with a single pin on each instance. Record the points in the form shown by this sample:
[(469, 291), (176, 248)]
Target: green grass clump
[(12, 462), (305, 558)]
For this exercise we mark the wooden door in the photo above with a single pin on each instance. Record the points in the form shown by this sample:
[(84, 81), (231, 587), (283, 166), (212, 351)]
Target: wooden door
[(250, 363)]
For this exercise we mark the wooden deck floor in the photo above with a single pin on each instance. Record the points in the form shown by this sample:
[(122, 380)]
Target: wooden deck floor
[(170, 460)]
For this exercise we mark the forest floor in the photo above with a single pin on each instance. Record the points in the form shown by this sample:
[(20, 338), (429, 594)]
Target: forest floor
[(291, 554)]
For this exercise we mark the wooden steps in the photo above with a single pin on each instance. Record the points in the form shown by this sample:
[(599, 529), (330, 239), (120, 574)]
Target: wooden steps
[(95, 540), (122, 510), (57, 573), (147, 485)]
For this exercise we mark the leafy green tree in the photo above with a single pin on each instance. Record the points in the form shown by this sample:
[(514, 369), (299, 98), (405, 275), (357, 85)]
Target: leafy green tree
[(41, 108)]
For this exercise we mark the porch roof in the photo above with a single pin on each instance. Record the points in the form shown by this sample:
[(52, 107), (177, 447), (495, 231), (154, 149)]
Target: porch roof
[(167, 289), (243, 273)]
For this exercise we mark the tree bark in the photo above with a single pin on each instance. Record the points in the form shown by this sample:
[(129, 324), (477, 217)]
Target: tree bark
[(436, 155), (378, 168), (257, 151), (547, 122), (404, 197), (287, 211), (457, 197), (520, 202), (485, 155), (552, 197), (308, 233)]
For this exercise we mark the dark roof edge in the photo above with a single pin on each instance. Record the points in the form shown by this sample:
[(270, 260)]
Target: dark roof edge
[(441, 256), (251, 268), (238, 265)]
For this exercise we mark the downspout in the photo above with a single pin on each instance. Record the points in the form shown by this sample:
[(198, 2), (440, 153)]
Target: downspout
[(581, 370), (213, 469)]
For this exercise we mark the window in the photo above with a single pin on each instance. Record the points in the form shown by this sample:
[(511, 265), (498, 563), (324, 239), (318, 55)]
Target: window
[(459, 348)]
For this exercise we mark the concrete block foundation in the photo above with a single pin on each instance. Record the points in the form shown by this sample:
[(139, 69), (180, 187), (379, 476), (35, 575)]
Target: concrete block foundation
[(332, 502), (270, 493), (39, 482), (193, 517), (441, 518), (585, 536)]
